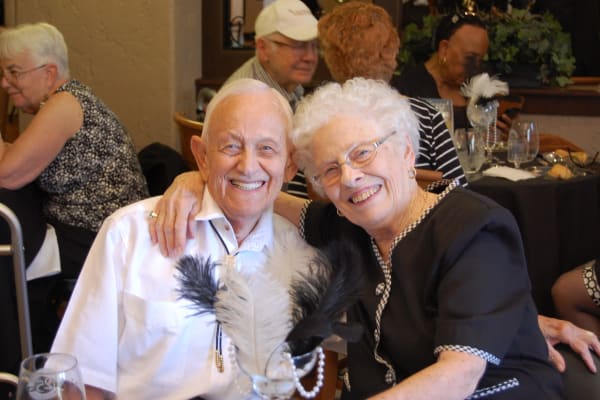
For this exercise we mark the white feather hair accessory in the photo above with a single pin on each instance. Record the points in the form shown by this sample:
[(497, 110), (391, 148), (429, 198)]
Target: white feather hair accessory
[(483, 86)]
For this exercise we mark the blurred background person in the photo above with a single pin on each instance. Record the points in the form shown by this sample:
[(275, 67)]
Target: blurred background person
[(74, 152), (460, 44), (286, 53)]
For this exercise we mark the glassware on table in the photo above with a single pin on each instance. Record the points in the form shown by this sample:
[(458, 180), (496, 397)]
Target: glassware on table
[(516, 147), (483, 119), (444, 106), (470, 149), (283, 373), (523, 142), (50, 376)]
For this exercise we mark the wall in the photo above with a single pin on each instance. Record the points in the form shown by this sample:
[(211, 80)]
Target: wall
[(582, 131), (140, 56)]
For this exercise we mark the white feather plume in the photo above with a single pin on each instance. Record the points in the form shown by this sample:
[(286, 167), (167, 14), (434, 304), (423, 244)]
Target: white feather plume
[(483, 85), (254, 311)]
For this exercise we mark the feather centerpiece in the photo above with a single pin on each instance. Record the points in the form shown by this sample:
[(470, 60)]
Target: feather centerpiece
[(294, 302), (483, 88), (322, 295), (254, 311)]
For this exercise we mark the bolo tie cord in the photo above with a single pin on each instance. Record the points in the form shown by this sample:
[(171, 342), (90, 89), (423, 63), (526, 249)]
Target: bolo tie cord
[(219, 334)]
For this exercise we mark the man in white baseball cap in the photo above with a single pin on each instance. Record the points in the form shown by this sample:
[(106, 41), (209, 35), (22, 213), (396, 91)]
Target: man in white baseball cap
[(286, 49)]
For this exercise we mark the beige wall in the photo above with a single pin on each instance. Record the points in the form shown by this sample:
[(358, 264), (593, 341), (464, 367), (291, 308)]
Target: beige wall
[(140, 56)]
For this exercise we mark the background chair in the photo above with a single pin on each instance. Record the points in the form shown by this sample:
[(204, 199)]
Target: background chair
[(187, 128)]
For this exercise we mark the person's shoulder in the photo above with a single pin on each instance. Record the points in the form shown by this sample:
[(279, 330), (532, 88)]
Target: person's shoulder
[(283, 226), (465, 203), (140, 210)]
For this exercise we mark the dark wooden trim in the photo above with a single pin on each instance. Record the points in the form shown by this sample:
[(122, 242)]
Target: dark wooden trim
[(575, 100)]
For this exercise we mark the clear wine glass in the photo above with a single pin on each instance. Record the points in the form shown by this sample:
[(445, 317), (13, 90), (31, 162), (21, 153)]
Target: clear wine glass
[(516, 146), (50, 376), (483, 119), (533, 138), (283, 373)]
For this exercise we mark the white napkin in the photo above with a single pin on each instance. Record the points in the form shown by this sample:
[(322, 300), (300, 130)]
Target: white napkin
[(509, 173), (47, 260)]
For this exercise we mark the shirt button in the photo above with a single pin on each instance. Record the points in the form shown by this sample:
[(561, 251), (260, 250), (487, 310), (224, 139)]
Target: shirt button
[(227, 228)]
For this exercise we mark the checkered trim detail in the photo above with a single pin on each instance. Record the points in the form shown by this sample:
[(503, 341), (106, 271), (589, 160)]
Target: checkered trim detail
[(590, 281), (495, 389), (303, 218), (492, 359)]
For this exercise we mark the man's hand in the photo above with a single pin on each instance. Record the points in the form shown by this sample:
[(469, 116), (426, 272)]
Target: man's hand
[(581, 341), (173, 217)]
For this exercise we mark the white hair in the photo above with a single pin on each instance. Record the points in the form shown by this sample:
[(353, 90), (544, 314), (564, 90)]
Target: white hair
[(246, 86), (43, 41), (372, 100)]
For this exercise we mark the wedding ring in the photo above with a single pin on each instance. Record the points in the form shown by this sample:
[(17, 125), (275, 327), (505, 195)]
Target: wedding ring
[(152, 214)]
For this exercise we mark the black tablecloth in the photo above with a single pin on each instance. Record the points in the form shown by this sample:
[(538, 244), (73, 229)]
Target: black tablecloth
[(559, 223)]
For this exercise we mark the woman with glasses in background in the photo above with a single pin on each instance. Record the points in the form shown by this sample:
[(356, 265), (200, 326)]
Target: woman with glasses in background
[(74, 158)]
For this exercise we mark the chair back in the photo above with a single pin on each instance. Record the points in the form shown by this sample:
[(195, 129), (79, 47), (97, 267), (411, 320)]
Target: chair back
[(187, 128), (425, 177)]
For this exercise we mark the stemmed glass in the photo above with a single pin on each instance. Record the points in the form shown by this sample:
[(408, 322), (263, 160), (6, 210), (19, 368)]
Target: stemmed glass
[(50, 376), (483, 119), (283, 373), (523, 142)]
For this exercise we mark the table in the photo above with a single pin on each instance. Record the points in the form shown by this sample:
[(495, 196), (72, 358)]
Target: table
[(559, 222)]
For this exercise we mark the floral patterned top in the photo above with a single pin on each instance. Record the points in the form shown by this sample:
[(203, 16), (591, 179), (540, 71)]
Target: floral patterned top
[(96, 172)]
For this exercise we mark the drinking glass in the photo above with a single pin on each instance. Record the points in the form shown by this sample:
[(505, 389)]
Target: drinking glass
[(283, 372), (444, 106), (50, 376), (470, 148), (516, 147), (483, 119), (533, 137), (523, 142)]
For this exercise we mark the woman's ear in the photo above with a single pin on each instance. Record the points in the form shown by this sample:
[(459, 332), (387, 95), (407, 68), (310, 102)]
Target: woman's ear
[(443, 49), (200, 150)]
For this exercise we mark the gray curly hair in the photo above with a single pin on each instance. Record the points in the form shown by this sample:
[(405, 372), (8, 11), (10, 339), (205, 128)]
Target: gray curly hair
[(373, 100)]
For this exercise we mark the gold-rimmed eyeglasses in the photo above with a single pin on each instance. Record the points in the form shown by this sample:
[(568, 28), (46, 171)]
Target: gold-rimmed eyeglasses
[(298, 47), (13, 75), (357, 157)]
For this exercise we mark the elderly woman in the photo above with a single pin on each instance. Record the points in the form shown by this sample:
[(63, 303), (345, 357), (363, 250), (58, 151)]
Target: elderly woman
[(75, 150), (359, 40), (443, 318)]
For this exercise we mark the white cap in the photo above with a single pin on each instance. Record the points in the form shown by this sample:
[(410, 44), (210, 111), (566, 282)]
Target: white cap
[(291, 18)]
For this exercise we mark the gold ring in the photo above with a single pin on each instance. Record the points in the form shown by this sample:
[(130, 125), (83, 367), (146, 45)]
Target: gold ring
[(153, 214)]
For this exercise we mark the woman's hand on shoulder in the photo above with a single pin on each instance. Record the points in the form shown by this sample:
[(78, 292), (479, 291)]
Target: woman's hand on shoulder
[(173, 216)]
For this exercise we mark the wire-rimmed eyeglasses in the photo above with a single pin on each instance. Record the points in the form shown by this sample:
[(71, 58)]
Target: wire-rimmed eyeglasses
[(13, 75), (298, 47), (357, 157)]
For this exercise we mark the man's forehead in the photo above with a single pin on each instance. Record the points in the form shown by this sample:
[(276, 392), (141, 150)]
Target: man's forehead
[(257, 111)]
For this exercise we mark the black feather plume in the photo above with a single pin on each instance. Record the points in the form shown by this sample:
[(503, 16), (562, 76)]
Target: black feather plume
[(197, 283), (322, 295)]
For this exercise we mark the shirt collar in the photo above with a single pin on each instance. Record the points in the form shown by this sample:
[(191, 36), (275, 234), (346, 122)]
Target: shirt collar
[(259, 238)]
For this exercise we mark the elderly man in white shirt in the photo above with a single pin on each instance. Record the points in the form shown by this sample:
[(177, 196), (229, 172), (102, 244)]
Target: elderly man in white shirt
[(133, 335)]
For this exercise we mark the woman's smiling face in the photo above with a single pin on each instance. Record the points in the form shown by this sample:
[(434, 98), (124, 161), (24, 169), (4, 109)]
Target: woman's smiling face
[(376, 194)]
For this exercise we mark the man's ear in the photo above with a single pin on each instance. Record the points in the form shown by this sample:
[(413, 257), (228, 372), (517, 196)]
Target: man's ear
[(200, 150), (262, 49), (290, 170)]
